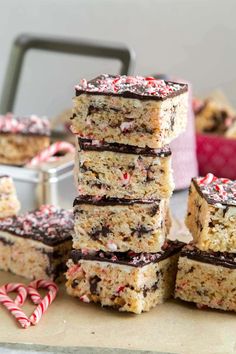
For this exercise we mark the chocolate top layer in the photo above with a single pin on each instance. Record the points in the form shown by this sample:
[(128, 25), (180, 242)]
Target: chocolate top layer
[(97, 145), (217, 191), (49, 225), (4, 176), (130, 258), (223, 259), (103, 201), (31, 125), (131, 87)]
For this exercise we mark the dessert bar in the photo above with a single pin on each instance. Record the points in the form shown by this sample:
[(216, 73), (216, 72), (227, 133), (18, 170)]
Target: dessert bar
[(111, 224), (21, 138), (122, 171), (133, 282), (212, 116), (9, 204), (211, 216), (37, 244), (130, 110), (207, 278)]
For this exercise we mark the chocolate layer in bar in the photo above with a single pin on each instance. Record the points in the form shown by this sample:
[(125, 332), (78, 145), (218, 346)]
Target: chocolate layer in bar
[(94, 145), (86, 199), (131, 87), (130, 258), (223, 259)]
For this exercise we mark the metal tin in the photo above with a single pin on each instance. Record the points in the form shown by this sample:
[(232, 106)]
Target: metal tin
[(50, 184)]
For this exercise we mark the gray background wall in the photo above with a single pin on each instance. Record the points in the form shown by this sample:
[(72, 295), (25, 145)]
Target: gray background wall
[(193, 39)]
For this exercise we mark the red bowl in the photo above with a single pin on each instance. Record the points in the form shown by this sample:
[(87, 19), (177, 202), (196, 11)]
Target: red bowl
[(217, 155)]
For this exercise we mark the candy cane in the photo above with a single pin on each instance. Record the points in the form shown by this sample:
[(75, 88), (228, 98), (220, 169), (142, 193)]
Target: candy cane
[(48, 153), (208, 179), (42, 303), (21, 290), (13, 306)]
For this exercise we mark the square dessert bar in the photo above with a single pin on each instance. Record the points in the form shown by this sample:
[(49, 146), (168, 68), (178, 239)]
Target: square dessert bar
[(123, 171), (130, 110), (211, 215), (207, 278), (133, 282), (37, 244), (213, 116), (21, 138), (111, 224), (9, 204)]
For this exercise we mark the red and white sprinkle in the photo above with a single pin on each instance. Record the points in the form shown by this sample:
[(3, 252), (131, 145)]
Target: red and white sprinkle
[(120, 289), (126, 126), (84, 298), (125, 179)]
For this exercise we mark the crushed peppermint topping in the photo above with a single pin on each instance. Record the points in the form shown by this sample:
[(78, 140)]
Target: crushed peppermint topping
[(11, 123), (130, 86), (49, 225), (217, 191)]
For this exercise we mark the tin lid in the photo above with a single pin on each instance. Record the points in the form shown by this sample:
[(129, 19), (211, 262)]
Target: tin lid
[(47, 172)]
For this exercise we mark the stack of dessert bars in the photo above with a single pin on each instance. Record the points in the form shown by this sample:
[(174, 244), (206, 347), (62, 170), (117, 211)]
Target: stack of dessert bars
[(123, 125), (207, 266)]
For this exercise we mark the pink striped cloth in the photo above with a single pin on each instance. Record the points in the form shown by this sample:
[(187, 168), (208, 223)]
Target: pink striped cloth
[(184, 159)]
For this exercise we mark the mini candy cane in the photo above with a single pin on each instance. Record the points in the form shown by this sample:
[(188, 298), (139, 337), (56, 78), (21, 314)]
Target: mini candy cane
[(36, 298), (13, 306), (48, 153), (208, 179), (21, 292)]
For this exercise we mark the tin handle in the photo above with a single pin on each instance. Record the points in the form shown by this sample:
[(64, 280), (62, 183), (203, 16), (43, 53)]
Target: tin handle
[(92, 48)]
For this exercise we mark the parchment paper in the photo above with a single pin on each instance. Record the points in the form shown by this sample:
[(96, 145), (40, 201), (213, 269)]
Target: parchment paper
[(174, 327)]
